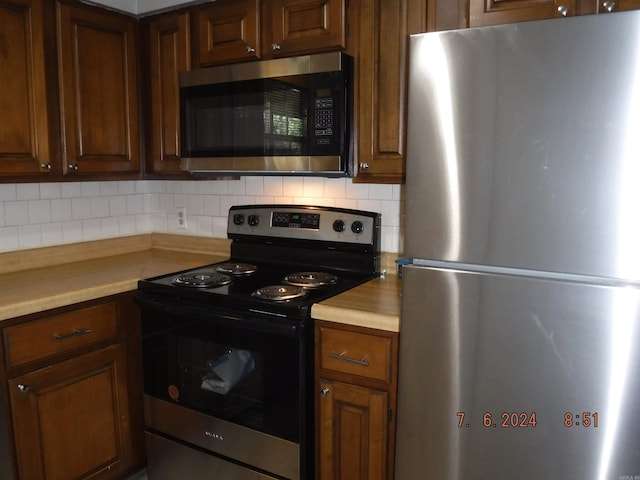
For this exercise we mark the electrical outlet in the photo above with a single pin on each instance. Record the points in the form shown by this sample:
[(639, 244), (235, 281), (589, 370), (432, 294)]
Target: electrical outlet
[(182, 217)]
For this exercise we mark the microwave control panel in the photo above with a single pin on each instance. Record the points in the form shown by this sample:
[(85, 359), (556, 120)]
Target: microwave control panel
[(323, 120)]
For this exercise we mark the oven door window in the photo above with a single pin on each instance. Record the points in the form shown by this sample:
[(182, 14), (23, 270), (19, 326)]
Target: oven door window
[(251, 378)]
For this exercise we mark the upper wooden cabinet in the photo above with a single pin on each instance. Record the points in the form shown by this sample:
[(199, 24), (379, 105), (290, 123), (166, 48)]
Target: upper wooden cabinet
[(379, 32), (240, 30), (25, 147), (168, 52), (98, 77), (491, 12), (606, 6)]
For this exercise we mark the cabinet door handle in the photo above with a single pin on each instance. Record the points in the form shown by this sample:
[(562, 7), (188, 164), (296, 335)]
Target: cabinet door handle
[(563, 10), (342, 356), (609, 6), (46, 166), (73, 166), (250, 49), (76, 333), (324, 392), (275, 47), (23, 388)]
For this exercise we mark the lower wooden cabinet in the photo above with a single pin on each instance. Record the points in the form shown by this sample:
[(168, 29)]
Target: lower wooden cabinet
[(75, 409), (354, 430), (356, 381)]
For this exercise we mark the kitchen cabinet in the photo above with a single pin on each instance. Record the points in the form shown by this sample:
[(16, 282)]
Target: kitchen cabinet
[(27, 133), (446, 15), (356, 384), (491, 12), (168, 51), (606, 6), (74, 391), (98, 77), (379, 36), (240, 30)]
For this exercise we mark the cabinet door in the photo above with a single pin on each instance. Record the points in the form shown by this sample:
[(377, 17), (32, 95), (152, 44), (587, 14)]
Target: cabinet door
[(381, 90), (98, 90), (24, 123), (492, 12), (302, 26), (228, 31), (169, 53), (353, 432), (605, 6), (71, 419)]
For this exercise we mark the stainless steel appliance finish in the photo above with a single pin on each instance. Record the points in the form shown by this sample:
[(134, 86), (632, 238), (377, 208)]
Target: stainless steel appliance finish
[(228, 372), (170, 460), (521, 305), (251, 447), (253, 125)]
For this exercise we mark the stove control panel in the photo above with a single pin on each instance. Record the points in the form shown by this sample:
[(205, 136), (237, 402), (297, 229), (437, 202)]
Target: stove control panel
[(303, 222)]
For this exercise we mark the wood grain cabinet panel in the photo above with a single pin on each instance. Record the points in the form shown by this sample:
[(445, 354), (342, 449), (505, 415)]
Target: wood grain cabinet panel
[(98, 90), (71, 419), (302, 26), (353, 432), (381, 38), (492, 12), (169, 53), (75, 400), (24, 114), (240, 30), (228, 31), (606, 6), (356, 381)]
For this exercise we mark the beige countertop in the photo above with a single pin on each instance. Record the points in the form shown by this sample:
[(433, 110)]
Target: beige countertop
[(375, 304), (41, 279)]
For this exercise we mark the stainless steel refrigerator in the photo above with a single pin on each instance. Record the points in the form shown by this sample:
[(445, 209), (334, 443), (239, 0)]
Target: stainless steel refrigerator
[(520, 328)]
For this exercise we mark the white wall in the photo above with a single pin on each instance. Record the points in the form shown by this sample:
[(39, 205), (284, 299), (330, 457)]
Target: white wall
[(45, 214)]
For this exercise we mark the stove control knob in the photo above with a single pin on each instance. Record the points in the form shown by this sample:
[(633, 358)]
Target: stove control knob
[(357, 227), (339, 226), (238, 219), (253, 220)]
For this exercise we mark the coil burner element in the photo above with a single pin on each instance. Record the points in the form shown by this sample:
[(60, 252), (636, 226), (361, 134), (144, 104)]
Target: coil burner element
[(279, 293), (236, 269), (311, 279), (206, 279)]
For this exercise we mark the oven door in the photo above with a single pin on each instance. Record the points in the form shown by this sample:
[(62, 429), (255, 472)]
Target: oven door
[(229, 382)]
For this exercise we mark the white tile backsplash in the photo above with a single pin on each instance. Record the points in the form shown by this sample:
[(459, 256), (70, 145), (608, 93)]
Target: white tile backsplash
[(37, 215)]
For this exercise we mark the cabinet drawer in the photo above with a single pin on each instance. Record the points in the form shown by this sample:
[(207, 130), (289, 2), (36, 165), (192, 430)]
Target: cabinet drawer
[(355, 353), (60, 333)]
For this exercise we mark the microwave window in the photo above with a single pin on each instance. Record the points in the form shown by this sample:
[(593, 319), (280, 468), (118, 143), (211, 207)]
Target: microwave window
[(267, 117)]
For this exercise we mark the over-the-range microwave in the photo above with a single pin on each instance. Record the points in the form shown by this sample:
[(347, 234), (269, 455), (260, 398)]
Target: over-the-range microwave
[(289, 116)]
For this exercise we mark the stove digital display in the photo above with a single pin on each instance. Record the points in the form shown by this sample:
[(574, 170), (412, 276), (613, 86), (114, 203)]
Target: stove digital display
[(296, 220)]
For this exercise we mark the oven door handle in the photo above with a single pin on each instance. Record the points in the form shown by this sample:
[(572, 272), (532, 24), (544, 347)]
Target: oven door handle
[(196, 313)]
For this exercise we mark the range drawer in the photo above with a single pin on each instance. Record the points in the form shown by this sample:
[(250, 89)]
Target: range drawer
[(61, 333), (355, 353)]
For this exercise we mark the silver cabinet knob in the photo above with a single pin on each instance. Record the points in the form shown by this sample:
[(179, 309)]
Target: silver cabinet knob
[(73, 166), (609, 6), (563, 10), (275, 47), (46, 166), (250, 49), (364, 166), (324, 392), (22, 388)]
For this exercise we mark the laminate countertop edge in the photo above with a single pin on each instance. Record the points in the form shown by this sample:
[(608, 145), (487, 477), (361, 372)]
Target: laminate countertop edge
[(41, 287)]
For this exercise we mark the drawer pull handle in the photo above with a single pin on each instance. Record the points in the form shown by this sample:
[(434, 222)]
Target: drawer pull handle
[(76, 333), (324, 392), (23, 388), (362, 362)]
